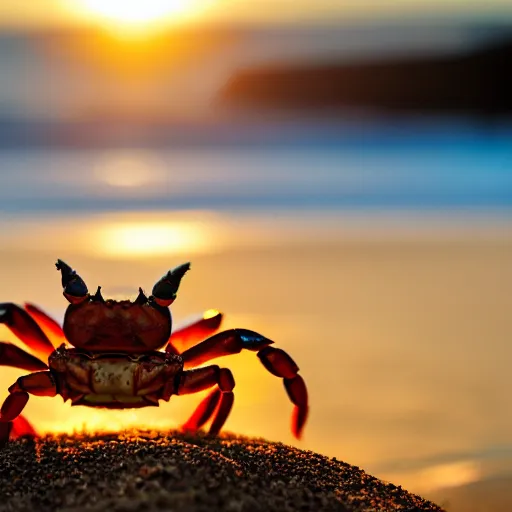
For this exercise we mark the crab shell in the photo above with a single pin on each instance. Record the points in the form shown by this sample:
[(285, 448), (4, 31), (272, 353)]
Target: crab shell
[(117, 326)]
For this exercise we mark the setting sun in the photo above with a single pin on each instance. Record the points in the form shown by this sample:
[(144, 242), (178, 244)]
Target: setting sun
[(135, 12)]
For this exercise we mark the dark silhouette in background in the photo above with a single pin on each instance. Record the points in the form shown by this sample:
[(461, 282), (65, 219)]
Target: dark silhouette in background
[(475, 83), (478, 83)]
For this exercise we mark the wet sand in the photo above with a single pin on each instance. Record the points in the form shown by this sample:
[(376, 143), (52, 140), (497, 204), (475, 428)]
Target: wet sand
[(149, 470)]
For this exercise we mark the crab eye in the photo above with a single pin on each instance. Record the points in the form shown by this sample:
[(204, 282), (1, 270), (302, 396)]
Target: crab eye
[(165, 290), (75, 290)]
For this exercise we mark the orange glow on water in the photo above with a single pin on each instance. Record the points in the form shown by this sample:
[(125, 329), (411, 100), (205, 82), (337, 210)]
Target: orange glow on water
[(439, 476), (139, 239), (126, 236)]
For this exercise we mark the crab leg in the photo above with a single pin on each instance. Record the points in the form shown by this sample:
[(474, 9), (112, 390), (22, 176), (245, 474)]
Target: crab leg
[(280, 364), (203, 412), (48, 325), (38, 384), (5, 431), (11, 355), (194, 331), (276, 361), (22, 427), (13, 429), (25, 328), (218, 402)]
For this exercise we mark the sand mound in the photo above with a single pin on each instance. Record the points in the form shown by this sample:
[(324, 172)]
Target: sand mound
[(151, 471)]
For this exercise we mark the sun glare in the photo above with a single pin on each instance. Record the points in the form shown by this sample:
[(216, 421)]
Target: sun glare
[(134, 12), (135, 240)]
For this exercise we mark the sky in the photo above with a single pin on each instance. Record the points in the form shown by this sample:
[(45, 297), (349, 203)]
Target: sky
[(44, 12)]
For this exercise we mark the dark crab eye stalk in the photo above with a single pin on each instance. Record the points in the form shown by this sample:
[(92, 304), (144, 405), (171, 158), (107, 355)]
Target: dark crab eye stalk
[(164, 292), (75, 290)]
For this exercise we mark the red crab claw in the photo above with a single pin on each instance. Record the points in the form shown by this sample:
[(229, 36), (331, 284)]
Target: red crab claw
[(165, 290), (75, 290)]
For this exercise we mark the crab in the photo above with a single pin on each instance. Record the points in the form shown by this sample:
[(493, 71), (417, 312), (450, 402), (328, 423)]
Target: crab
[(121, 354)]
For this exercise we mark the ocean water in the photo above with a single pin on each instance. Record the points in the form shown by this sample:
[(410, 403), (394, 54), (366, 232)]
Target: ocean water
[(371, 168)]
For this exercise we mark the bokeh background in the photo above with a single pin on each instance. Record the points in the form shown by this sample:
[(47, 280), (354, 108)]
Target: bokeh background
[(339, 175)]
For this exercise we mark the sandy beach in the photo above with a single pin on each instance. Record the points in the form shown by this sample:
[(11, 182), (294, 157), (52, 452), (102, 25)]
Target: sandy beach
[(165, 471)]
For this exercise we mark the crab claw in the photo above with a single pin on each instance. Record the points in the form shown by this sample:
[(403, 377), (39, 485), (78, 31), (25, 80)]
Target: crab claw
[(165, 290), (75, 290)]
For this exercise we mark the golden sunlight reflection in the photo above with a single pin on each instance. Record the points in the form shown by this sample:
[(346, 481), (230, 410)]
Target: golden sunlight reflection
[(128, 171), (124, 235), (440, 476), (130, 235), (139, 239)]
